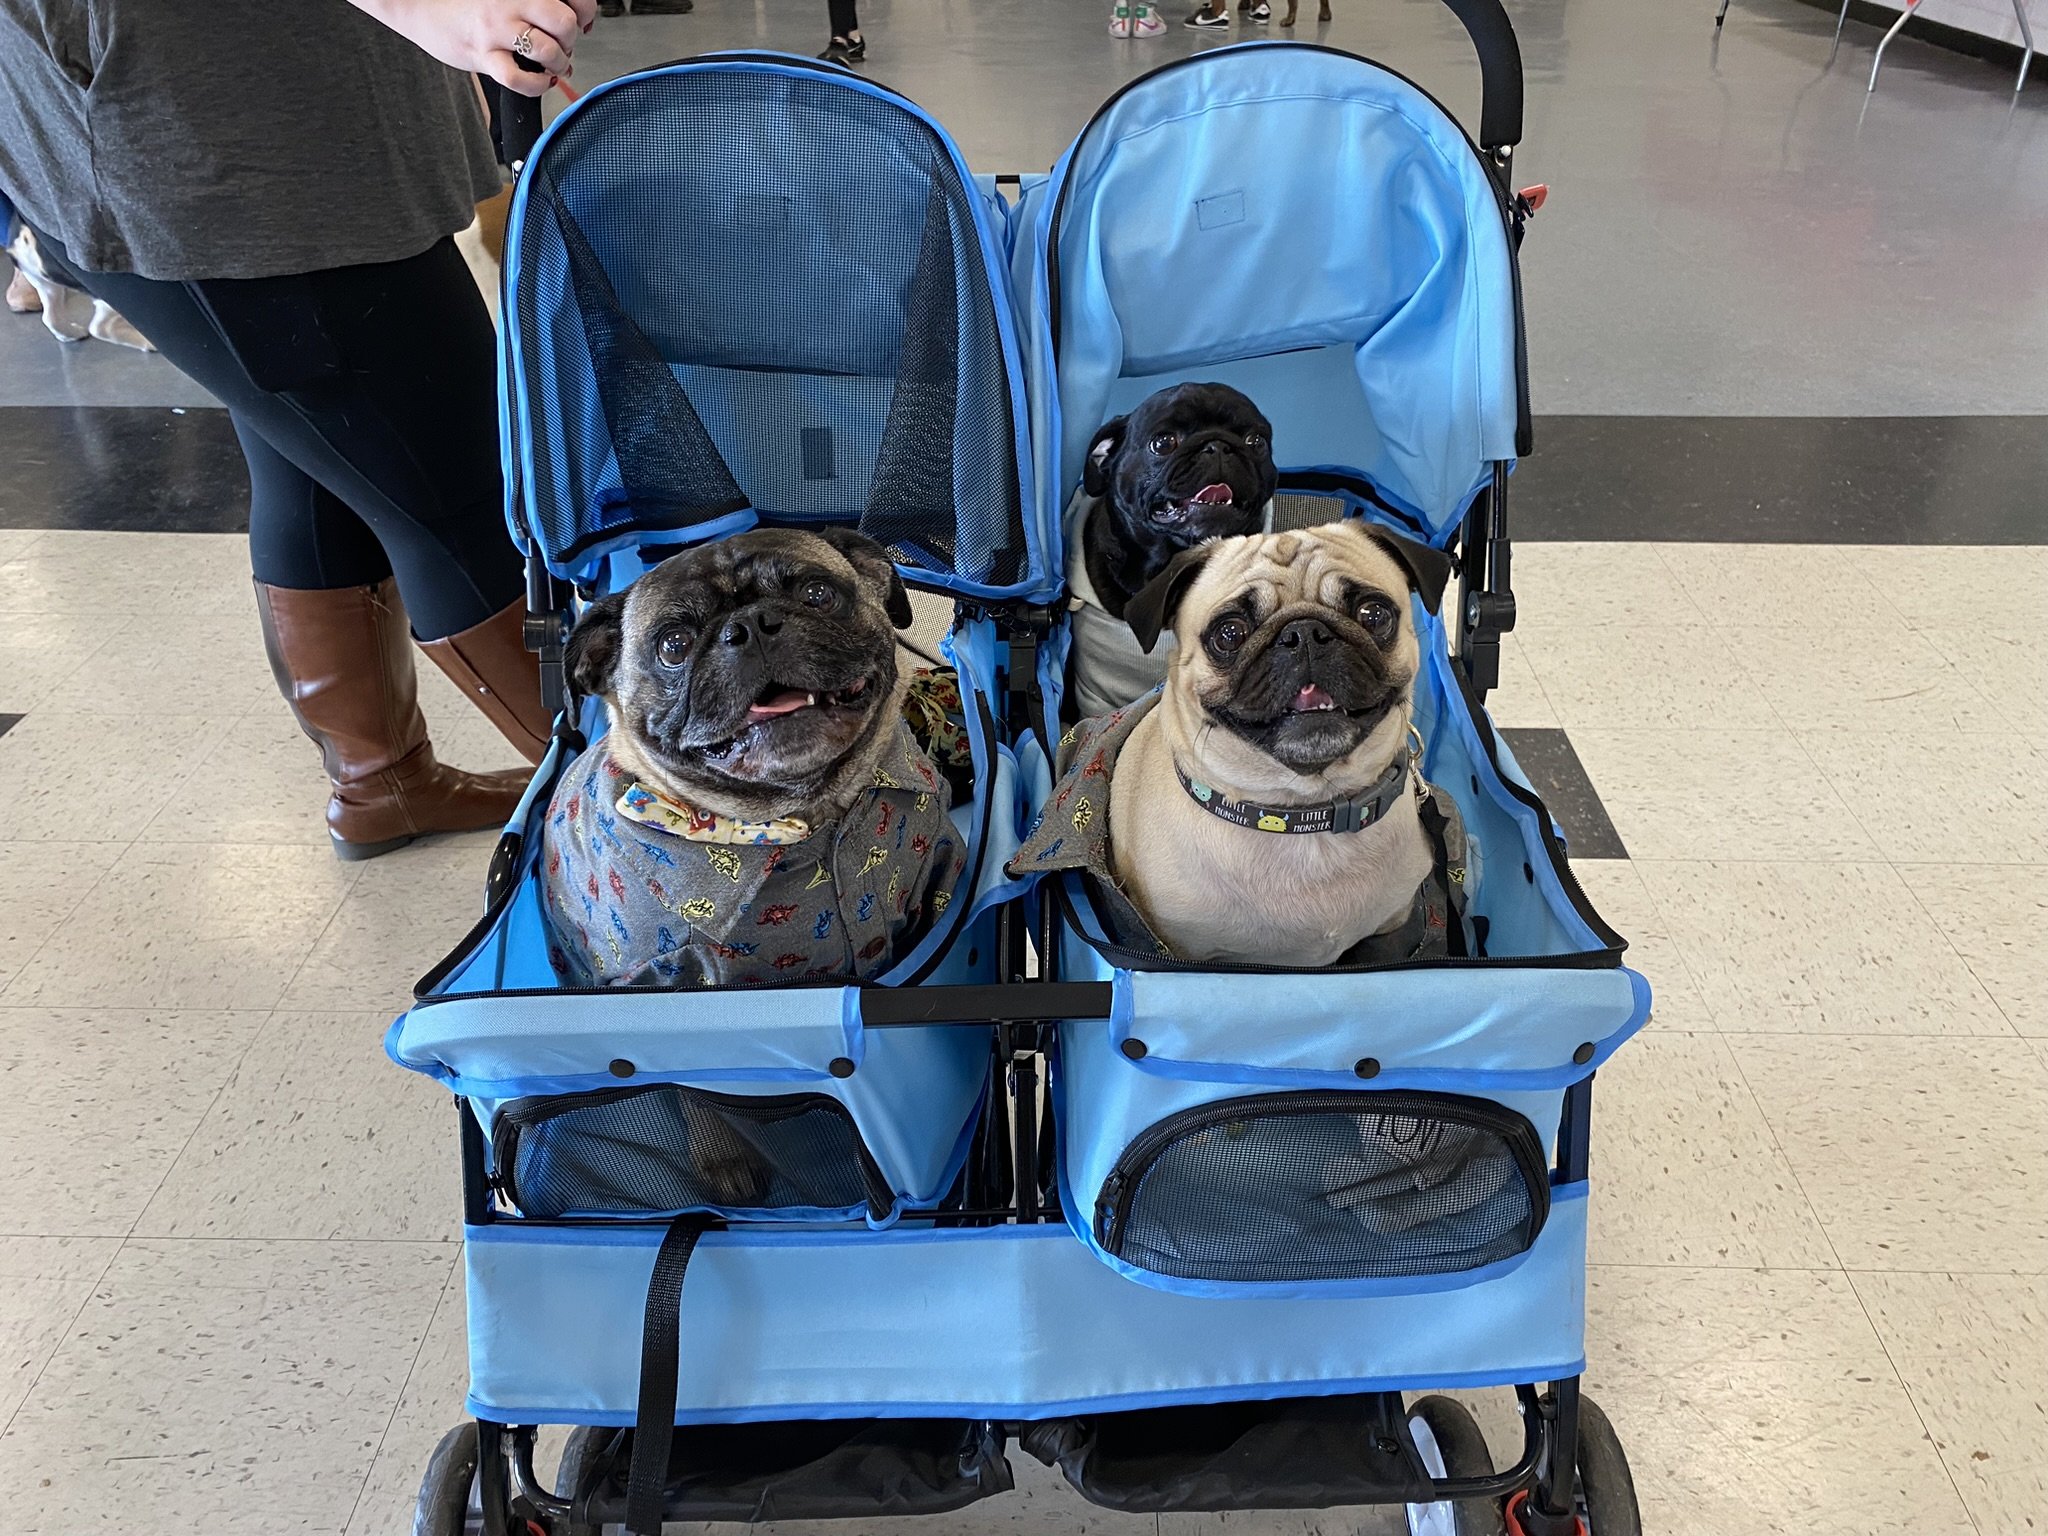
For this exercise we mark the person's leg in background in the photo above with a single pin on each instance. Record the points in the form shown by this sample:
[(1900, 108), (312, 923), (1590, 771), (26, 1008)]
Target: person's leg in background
[(847, 45), (365, 398)]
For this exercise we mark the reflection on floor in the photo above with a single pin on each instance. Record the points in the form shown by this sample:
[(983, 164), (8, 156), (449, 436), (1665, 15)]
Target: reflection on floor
[(1820, 1288)]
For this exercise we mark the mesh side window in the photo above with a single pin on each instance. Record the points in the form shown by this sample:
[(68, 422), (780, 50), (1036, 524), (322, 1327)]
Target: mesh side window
[(744, 289), (1327, 1187), (669, 1148)]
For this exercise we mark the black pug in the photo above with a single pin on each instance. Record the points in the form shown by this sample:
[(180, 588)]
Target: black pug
[(758, 812), (1191, 463)]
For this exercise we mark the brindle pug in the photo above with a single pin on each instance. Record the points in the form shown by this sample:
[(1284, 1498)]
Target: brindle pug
[(1288, 696), (758, 812)]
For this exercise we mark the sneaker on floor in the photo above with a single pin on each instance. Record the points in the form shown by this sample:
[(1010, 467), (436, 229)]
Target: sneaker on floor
[(1203, 18), (1261, 13), (1147, 23), (840, 51)]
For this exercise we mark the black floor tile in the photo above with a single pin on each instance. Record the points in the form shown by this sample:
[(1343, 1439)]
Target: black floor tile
[(1553, 767), (8, 723), (1785, 480), (128, 469)]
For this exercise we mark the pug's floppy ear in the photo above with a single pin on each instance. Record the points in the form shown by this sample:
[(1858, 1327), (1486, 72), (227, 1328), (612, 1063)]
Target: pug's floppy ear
[(591, 655), (1429, 570), (872, 564), (1152, 610), (1102, 452)]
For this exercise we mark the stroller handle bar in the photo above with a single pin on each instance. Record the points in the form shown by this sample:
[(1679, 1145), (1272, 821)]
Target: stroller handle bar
[(1500, 74)]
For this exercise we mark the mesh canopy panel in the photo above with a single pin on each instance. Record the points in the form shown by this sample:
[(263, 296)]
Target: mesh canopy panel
[(757, 286)]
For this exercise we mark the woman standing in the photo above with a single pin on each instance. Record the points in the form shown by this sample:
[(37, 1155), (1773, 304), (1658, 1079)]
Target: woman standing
[(270, 198)]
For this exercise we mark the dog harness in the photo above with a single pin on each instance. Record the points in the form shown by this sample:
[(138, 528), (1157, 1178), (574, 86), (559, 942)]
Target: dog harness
[(644, 890)]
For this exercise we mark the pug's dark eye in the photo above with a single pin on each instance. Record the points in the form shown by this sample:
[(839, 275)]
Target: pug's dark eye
[(1255, 439), (672, 645), (1165, 442), (1226, 635), (821, 595), (1377, 615)]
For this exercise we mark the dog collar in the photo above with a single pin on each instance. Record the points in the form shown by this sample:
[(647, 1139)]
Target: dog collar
[(1351, 815), (651, 808)]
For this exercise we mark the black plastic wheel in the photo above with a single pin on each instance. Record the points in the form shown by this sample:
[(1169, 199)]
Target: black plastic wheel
[(444, 1507), (1607, 1489), (1460, 1447)]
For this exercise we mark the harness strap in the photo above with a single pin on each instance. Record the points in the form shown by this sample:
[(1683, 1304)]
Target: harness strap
[(660, 1347)]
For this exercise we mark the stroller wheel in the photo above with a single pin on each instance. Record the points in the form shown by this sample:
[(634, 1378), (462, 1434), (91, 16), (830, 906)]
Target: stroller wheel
[(448, 1501), (1452, 1445), (582, 1456), (1607, 1490)]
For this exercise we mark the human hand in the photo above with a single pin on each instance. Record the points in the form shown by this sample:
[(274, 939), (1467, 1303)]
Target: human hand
[(482, 36)]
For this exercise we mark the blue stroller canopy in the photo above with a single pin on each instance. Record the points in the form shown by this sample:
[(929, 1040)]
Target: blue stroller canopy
[(750, 288), (1305, 225)]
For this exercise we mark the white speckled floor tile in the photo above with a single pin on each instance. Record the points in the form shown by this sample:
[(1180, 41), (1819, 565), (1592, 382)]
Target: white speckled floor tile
[(1754, 589), (2008, 666), (403, 914), (1920, 812), (1766, 963), (1519, 700), (99, 1103), (66, 571), (1647, 676), (43, 1283), (173, 663), (225, 1387), (1995, 916), (38, 651), (1685, 1171), (45, 795), (1917, 1153), (317, 1135), (1683, 794), (1936, 586), (1760, 1401), (1971, 1350), (1871, 680), (1619, 895), (261, 782), (190, 926), (1567, 586), (41, 884), (16, 541), (430, 1405)]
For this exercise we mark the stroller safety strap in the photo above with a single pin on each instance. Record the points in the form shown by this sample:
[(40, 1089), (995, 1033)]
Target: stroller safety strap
[(660, 1348)]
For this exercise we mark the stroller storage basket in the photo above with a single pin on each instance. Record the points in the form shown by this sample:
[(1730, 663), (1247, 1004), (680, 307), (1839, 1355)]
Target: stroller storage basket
[(1292, 1453), (1326, 1186), (816, 1469), (667, 1148)]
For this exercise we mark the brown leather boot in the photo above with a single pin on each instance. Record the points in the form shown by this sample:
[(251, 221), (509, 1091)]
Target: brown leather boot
[(490, 663), (343, 661)]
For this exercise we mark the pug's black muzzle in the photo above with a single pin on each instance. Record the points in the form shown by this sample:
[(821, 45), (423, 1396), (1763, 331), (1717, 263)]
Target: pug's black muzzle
[(1308, 689), (775, 657), (1184, 495)]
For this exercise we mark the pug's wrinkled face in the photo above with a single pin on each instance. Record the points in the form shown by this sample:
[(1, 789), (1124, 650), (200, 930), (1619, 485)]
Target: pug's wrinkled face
[(753, 674), (1295, 648), (1190, 463)]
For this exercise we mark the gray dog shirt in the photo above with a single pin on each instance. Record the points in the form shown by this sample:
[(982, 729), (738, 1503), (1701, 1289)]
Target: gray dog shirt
[(643, 890)]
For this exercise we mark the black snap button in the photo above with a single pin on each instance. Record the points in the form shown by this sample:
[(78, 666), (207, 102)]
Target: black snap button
[(1133, 1048), (623, 1068), (841, 1067), (1367, 1067), (1583, 1054)]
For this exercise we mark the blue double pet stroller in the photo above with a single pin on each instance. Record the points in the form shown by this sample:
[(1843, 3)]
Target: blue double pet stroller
[(1201, 1240)]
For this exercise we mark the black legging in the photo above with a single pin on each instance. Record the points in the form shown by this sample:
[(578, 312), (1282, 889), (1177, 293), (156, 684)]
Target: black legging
[(365, 399), (844, 22)]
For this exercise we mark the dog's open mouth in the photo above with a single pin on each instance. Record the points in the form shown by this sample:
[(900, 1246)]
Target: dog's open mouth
[(1215, 494), (778, 701), (1310, 700)]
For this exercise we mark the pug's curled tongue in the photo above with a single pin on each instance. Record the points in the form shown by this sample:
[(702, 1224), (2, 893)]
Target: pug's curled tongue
[(1215, 494)]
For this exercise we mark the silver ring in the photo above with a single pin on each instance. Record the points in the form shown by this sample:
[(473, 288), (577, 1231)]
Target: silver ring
[(523, 44)]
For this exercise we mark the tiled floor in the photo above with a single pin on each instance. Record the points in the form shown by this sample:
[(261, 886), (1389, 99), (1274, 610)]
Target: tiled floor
[(1819, 1298)]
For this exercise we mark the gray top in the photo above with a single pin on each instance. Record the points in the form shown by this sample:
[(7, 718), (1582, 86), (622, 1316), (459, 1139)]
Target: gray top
[(242, 138)]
